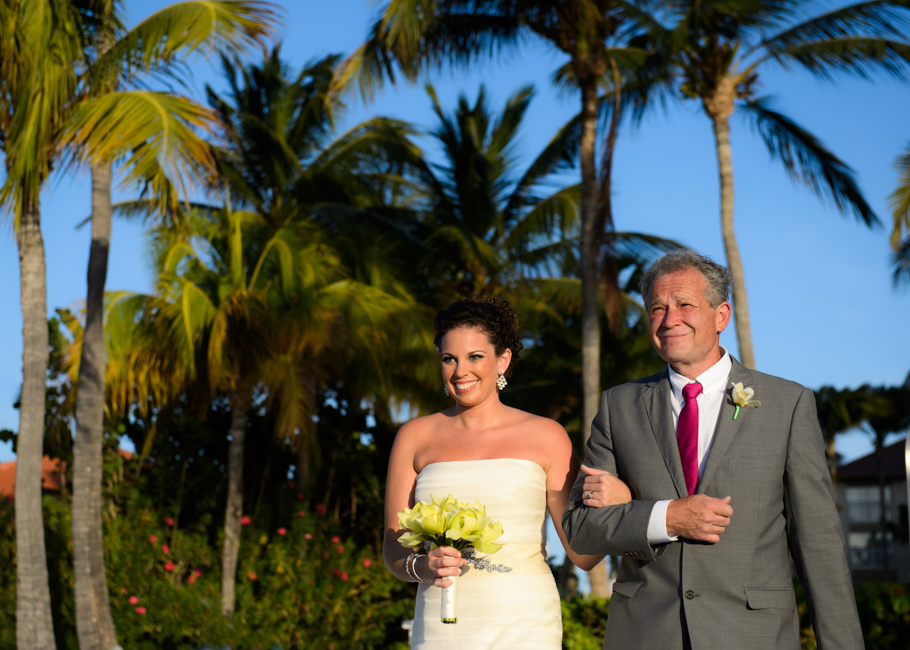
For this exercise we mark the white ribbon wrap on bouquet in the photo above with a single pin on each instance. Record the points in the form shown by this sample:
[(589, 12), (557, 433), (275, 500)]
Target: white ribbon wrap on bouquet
[(447, 608)]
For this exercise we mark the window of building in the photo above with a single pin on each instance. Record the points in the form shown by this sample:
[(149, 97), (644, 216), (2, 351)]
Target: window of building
[(863, 503), (867, 550)]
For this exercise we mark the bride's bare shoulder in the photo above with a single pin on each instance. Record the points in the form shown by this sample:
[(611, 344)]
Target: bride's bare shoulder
[(423, 425), (537, 423)]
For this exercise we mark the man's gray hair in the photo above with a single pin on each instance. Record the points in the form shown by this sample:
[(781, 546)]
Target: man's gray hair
[(718, 276)]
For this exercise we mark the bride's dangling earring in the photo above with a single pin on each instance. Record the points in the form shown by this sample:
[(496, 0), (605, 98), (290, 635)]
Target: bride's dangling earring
[(446, 389), (501, 381)]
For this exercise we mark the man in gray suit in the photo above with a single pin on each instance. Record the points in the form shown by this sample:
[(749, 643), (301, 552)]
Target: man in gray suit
[(725, 484)]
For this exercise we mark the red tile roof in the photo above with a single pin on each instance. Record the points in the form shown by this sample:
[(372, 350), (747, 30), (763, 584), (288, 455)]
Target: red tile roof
[(51, 470)]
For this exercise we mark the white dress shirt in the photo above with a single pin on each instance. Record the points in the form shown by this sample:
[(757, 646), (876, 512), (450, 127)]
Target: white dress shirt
[(714, 382)]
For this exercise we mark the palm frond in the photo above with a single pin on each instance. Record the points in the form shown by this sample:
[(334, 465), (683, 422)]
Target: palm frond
[(900, 259), (145, 210), (807, 160), (44, 38), (857, 56), (413, 34), (377, 137), (290, 387), (877, 18), (153, 134), (558, 213), (560, 153), (174, 32)]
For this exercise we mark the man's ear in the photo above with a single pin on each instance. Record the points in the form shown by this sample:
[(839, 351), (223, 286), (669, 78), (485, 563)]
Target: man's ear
[(722, 316)]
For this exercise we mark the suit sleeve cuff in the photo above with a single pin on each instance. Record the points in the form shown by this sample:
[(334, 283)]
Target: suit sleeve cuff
[(657, 525)]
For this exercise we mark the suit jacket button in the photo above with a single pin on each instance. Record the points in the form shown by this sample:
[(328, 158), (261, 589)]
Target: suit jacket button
[(690, 594)]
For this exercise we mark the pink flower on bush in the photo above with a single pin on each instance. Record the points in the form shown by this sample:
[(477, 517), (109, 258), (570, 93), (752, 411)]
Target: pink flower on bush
[(320, 509), (244, 521), (153, 539), (300, 496), (134, 600), (123, 591), (282, 532), (367, 562), (166, 549), (169, 566), (169, 521), (340, 550), (302, 513), (197, 573), (140, 610), (344, 576), (307, 536), (252, 576), (337, 572), (336, 539), (191, 579), (290, 484)]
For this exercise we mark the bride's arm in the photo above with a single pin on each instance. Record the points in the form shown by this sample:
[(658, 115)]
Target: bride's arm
[(401, 481), (560, 479)]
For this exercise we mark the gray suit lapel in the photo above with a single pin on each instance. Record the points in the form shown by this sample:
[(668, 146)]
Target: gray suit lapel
[(660, 413), (727, 427)]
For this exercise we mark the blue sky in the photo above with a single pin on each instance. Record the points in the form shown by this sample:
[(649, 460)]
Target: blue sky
[(822, 305)]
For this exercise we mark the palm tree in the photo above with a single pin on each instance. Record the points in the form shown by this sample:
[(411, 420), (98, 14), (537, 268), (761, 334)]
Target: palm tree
[(597, 36), (718, 49), (487, 225), (110, 118), (253, 310), (39, 44), (283, 161)]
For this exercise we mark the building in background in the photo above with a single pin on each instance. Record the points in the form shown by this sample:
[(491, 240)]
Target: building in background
[(877, 550)]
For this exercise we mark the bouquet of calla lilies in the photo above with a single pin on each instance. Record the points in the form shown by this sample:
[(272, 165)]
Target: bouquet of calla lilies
[(449, 522)]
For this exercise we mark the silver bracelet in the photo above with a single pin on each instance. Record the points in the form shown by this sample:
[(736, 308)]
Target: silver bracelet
[(411, 570)]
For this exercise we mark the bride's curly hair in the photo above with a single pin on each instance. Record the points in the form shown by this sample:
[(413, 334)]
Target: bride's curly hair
[(495, 318)]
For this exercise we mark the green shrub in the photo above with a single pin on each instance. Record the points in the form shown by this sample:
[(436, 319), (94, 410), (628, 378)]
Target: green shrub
[(298, 586), (884, 611), (583, 622)]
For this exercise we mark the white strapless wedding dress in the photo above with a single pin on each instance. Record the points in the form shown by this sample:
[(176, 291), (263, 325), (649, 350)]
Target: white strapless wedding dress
[(496, 608)]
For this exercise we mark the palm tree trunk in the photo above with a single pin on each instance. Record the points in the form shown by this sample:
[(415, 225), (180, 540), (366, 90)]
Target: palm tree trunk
[(604, 229), (94, 624), (590, 309), (34, 625), (721, 124), (240, 404)]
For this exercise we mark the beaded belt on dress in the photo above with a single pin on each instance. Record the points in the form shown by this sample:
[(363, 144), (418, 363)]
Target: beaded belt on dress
[(483, 563)]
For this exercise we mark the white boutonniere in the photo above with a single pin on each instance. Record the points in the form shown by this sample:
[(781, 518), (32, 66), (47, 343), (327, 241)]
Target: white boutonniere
[(742, 397)]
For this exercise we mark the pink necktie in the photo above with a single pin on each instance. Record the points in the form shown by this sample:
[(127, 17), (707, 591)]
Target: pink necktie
[(687, 435)]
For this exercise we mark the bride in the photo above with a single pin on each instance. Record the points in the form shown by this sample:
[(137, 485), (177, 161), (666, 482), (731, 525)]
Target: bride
[(516, 464)]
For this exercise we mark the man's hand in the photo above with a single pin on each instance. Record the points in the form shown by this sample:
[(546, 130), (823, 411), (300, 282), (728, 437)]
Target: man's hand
[(699, 517)]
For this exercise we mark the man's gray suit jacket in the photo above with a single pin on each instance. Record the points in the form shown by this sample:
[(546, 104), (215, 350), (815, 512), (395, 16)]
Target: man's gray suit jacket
[(737, 593)]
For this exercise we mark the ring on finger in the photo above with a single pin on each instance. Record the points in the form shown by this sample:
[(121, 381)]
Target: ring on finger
[(590, 494)]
